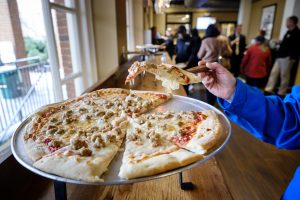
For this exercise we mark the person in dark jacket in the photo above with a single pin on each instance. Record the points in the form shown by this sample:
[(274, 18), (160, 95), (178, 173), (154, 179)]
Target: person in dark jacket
[(183, 50), (238, 45), (268, 118), (288, 53), (194, 46), (169, 43)]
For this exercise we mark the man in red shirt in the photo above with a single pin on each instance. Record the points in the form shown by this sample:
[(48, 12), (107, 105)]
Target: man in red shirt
[(256, 63)]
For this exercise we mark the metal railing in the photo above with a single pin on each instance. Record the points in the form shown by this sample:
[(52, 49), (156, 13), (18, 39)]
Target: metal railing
[(22, 90)]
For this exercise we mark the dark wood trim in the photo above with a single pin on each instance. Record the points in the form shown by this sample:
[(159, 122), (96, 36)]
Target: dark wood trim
[(190, 22)]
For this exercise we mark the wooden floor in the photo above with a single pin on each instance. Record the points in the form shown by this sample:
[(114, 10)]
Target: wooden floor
[(251, 170)]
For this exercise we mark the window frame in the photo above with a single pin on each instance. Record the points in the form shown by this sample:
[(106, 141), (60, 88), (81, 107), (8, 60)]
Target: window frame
[(86, 50)]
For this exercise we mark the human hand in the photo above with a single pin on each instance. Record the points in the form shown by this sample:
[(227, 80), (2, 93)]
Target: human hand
[(218, 80)]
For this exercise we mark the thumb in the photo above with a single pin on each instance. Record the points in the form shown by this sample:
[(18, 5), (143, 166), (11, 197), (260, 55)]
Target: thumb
[(214, 66), (201, 62)]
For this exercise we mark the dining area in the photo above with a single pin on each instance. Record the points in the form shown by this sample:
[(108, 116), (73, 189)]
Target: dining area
[(94, 123)]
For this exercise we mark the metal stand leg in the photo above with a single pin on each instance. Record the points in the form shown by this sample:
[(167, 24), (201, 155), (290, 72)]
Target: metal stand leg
[(60, 190), (184, 185)]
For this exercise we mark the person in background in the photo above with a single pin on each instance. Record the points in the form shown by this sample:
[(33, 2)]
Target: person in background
[(238, 45), (183, 50), (256, 63), (155, 35), (262, 33), (194, 46), (289, 51), (169, 43), (269, 119), (211, 49)]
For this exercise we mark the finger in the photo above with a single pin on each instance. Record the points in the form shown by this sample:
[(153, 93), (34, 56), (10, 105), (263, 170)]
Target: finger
[(202, 62)]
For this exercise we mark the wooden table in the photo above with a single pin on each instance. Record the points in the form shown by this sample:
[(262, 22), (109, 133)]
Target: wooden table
[(207, 178)]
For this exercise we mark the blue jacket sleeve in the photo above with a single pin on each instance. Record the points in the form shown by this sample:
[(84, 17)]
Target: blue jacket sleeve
[(270, 119)]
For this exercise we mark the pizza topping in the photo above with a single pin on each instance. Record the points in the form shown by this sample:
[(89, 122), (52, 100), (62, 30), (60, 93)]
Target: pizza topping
[(88, 117), (77, 143), (148, 124), (51, 127), (100, 113), (55, 143), (154, 139), (52, 130), (60, 131), (111, 138), (85, 152), (107, 127), (168, 115), (98, 141), (133, 137), (53, 120), (68, 113), (180, 123), (94, 129), (178, 117), (71, 131), (88, 102), (108, 115), (82, 110), (68, 120)]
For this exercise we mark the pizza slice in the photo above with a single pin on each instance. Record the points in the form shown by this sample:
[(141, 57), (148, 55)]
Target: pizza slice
[(139, 102), (148, 152), (170, 75), (195, 131), (86, 158)]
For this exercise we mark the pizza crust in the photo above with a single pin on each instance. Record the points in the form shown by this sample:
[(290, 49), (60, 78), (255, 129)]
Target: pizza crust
[(157, 164), (208, 134), (77, 167), (34, 150)]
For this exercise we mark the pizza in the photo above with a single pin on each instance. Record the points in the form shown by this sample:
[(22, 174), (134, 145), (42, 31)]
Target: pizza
[(170, 75), (157, 142), (79, 138)]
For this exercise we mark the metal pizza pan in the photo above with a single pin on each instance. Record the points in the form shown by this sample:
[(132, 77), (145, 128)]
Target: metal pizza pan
[(176, 104)]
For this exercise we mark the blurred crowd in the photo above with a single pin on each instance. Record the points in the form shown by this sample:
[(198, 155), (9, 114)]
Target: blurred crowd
[(260, 64)]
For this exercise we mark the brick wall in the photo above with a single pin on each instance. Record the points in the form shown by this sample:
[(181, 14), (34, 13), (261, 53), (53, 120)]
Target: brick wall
[(10, 28), (64, 45), (17, 31)]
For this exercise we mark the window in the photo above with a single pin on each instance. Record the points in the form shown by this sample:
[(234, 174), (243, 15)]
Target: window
[(46, 55), (66, 49)]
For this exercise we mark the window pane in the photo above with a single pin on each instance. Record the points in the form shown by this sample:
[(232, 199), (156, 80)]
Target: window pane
[(25, 77), (67, 42), (72, 88), (67, 3)]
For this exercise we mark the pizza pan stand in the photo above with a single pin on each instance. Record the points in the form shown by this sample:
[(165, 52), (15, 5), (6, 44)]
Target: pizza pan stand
[(177, 104)]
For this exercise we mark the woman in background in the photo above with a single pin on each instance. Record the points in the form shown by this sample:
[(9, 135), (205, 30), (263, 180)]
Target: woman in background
[(212, 48), (256, 63)]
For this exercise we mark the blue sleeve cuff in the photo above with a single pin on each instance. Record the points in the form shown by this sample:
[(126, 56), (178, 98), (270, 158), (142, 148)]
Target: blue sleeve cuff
[(238, 100)]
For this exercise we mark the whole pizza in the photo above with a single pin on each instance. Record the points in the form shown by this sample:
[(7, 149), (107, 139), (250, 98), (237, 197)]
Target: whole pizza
[(79, 138)]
